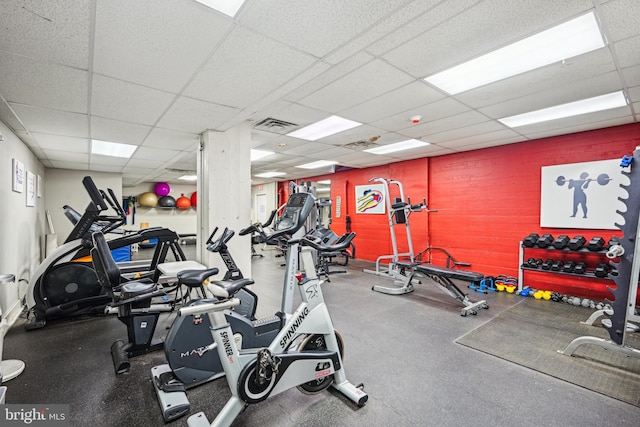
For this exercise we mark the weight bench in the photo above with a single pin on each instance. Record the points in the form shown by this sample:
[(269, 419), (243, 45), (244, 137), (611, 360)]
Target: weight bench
[(442, 277)]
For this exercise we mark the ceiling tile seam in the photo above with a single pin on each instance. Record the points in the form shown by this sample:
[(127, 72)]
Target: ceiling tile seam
[(369, 28), (442, 3), (92, 39), (604, 28), (188, 82)]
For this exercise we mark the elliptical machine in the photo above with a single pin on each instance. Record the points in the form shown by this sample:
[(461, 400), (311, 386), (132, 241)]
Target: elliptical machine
[(65, 283), (190, 363)]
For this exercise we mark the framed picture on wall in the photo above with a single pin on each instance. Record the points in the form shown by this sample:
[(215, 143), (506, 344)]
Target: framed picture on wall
[(39, 186), (18, 176), (370, 199), (31, 189), (582, 195)]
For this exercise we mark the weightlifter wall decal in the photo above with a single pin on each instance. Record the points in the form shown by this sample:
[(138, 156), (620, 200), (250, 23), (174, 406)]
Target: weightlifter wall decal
[(581, 195)]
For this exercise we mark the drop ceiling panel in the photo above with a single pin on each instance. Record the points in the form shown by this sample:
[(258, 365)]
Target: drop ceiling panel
[(499, 136), (66, 156), (448, 124), (118, 131), (26, 81), (369, 81), (137, 165), (243, 70), (307, 25), (47, 30), (57, 164), (56, 142), (161, 43), (53, 121), (582, 89), (430, 113), (434, 16), (171, 139), (584, 126), (331, 75), (116, 99), (625, 14), (628, 51), (467, 131), (403, 99), (195, 116), (156, 154), (95, 159), (396, 21)]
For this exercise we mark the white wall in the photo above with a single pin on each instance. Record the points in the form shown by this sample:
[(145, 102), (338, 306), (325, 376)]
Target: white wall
[(21, 228), (64, 187), (180, 221)]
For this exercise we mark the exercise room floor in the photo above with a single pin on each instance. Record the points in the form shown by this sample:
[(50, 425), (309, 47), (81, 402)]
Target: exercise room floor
[(401, 347)]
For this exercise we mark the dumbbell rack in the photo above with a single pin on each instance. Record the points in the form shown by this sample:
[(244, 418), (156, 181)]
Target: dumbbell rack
[(522, 269)]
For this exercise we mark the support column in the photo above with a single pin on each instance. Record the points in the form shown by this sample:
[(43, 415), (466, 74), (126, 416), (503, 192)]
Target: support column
[(224, 194)]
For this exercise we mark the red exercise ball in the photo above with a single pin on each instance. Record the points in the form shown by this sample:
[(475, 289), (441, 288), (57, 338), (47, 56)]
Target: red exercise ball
[(194, 199), (183, 202)]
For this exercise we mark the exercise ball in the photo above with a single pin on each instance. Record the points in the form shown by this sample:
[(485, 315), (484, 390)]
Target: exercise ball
[(148, 199), (162, 189), (183, 202), (194, 199), (167, 202)]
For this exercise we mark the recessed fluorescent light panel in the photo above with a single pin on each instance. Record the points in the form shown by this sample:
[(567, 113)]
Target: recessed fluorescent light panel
[(573, 38), (590, 105), (318, 164), (259, 154), (270, 174), (329, 126), (398, 146), (189, 177), (113, 149), (228, 7)]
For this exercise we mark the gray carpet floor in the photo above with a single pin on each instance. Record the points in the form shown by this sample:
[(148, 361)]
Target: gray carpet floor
[(403, 348)]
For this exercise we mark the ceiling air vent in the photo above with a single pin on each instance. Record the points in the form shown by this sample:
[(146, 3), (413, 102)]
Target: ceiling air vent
[(362, 144), (275, 125), (182, 171)]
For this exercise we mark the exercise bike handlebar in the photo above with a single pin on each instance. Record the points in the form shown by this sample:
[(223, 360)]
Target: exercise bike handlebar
[(258, 226), (208, 307), (342, 243), (216, 245), (96, 197)]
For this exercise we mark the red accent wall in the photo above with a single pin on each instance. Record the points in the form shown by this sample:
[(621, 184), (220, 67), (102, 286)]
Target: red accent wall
[(488, 200)]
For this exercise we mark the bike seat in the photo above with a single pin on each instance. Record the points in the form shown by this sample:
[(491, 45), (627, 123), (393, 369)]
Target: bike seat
[(233, 286), (194, 278), (132, 289)]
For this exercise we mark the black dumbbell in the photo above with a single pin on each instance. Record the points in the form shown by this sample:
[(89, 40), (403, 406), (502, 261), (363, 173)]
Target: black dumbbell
[(577, 243), (602, 270), (531, 263), (580, 268), (531, 240), (561, 241), (613, 242), (569, 266), (557, 265), (596, 244), (544, 241), (547, 264)]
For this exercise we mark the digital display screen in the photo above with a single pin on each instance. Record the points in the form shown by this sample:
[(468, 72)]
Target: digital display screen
[(297, 200)]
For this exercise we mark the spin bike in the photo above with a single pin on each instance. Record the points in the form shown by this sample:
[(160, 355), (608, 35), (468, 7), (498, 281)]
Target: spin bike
[(189, 362), (256, 374)]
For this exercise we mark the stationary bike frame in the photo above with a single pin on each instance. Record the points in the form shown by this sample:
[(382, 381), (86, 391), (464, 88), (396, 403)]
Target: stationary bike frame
[(310, 318)]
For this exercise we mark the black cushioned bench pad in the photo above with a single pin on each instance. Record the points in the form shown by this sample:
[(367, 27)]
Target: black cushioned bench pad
[(467, 276)]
